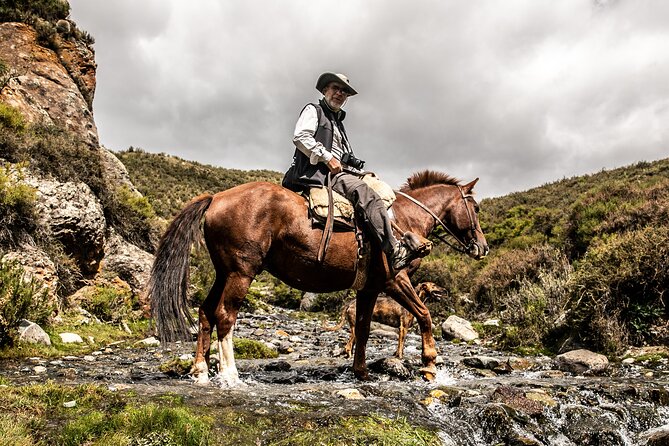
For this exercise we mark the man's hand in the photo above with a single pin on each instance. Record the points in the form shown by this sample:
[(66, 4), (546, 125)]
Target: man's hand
[(334, 165)]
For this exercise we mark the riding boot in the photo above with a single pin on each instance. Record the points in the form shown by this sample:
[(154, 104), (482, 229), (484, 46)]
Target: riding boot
[(412, 246)]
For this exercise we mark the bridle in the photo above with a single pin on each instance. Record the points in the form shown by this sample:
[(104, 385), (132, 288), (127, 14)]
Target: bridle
[(463, 247)]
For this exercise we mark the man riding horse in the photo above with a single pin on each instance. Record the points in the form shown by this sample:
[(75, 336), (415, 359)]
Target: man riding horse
[(323, 154), (261, 226)]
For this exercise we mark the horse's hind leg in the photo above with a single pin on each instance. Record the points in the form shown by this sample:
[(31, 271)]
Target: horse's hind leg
[(226, 315), (207, 319)]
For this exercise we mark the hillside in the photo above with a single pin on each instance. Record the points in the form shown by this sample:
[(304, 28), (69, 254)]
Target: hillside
[(169, 182), (579, 262)]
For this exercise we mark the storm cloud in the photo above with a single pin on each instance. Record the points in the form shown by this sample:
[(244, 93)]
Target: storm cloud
[(519, 93)]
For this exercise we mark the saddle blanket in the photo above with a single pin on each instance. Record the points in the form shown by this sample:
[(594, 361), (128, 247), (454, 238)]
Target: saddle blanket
[(343, 209)]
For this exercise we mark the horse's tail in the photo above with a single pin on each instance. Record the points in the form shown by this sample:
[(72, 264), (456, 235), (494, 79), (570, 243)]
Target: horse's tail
[(168, 284), (342, 320)]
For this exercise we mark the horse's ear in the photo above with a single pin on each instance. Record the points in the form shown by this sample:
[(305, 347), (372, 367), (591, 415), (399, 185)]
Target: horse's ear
[(469, 186)]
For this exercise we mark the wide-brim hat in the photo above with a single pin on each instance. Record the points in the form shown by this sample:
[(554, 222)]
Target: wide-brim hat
[(325, 78)]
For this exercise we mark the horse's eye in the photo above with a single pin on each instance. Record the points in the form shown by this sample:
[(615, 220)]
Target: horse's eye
[(477, 208)]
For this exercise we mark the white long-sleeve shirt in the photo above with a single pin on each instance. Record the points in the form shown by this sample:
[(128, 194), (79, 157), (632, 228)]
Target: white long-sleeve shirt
[(304, 140)]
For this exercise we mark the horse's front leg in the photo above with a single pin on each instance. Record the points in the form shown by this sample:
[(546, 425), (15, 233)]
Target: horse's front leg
[(401, 290), (364, 308)]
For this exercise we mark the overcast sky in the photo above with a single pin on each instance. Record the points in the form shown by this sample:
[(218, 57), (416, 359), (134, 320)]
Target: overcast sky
[(517, 92)]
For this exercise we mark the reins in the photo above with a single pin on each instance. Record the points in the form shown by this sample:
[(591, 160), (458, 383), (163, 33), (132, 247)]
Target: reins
[(463, 248)]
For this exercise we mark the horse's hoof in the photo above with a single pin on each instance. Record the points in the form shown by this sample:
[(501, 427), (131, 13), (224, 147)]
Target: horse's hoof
[(429, 373), (363, 376), (201, 380)]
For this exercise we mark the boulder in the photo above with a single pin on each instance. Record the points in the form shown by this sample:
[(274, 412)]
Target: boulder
[(458, 328), (582, 362), (73, 214), (129, 263), (308, 301), (32, 333), (37, 264), (70, 338)]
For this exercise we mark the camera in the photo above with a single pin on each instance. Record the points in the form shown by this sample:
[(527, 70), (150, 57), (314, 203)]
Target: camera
[(350, 160)]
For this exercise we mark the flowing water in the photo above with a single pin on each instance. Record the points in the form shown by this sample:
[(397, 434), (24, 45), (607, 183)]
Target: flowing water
[(527, 402)]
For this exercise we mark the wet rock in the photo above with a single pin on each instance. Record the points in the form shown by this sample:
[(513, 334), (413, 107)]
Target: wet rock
[(392, 367), (458, 328), (39, 369), (541, 397), (32, 333), (588, 426), (481, 362), (278, 366), (582, 362), (655, 437), (349, 394), (516, 399)]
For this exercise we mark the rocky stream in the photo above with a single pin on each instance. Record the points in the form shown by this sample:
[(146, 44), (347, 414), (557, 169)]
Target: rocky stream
[(480, 396)]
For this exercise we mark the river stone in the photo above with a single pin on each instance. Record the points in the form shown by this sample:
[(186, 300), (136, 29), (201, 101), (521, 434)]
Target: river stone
[(150, 341), (32, 333), (582, 362), (350, 394), (308, 301), (516, 399), (39, 369), (70, 338), (392, 367), (481, 362), (458, 328), (656, 437)]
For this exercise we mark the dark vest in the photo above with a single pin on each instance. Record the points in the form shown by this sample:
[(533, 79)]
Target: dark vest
[(302, 174)]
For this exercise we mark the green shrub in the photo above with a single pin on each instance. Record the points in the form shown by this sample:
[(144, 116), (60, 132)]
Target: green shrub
[(51, 10), (108, 303), (53, 151), (10, 117), (534, 312), (19, 299), (620, 287), (133, 217), (284, 296), (333, 302), (510, 269), (17, 207)]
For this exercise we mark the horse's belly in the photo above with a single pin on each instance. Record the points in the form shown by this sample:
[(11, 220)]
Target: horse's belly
[(299, 268)]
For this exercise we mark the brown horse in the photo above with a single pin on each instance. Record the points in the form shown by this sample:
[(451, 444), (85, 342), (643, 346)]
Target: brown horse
[(262, 226)]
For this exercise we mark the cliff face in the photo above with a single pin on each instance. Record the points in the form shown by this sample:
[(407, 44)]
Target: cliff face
[(49, 88), (56, 88)]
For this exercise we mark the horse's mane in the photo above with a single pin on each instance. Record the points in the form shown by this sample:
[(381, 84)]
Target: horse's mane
[(428, 178)]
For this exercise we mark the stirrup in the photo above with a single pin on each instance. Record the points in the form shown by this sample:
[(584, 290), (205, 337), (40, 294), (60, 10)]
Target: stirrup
[(410, 247)]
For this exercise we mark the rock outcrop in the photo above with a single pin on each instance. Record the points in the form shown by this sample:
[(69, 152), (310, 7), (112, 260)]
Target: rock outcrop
[(56, 88), (43, 89)]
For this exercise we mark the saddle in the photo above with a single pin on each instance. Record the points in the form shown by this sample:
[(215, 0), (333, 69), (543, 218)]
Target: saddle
[(333, 212), (343, 213)]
